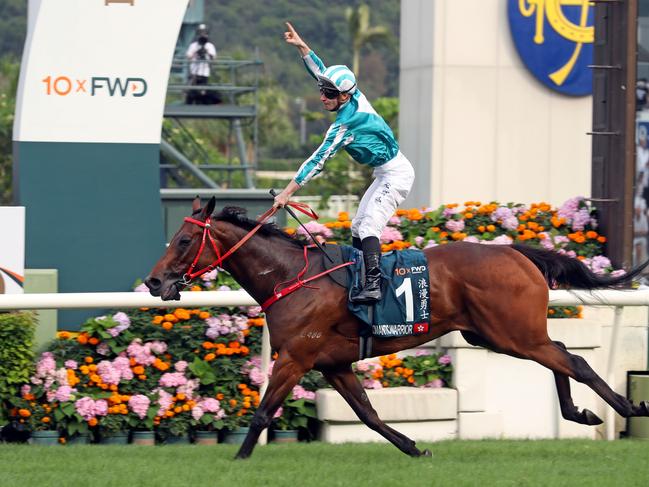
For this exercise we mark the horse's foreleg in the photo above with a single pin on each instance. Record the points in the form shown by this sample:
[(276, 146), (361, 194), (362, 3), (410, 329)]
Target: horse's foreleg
[(347, 384), (286, 374)]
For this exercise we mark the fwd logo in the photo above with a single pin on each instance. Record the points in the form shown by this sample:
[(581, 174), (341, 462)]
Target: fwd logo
[(63, 86), (138, 86)]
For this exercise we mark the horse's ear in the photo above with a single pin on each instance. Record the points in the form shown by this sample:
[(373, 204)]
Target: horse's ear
[(209, 207), (196, 204)]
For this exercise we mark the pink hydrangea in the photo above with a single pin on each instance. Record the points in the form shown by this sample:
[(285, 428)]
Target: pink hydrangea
[(188, 388), (455, 225), (210, 276), (210, 405), (362, 366), (108, 373), (300, 392), (180, 366), (165, 400), (123, 365), (435, 384), (71, 364), (316, 229), (172, 379), (278, 413), (88, 408), (139, 404), (444, 360), (123, 322), (390, 234), (253, 311), (64, 393), (372, 384), (141, 288)]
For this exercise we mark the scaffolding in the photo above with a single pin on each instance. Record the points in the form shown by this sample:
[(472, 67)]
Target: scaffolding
[(183, 159)]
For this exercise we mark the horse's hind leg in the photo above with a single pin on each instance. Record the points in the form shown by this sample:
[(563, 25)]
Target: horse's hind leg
[(568, 409), (347, 384), (556, 357)]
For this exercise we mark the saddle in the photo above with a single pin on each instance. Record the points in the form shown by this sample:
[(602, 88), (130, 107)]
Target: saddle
[(404, 309)]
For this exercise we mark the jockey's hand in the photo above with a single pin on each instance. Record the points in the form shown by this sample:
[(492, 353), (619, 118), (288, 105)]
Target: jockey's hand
[(292, 37), (281, 199)]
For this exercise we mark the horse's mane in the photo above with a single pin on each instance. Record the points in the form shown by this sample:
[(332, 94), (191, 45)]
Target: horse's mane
[(237, 216)]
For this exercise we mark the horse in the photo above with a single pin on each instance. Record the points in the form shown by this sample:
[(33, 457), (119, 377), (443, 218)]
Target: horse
[(313, 328)]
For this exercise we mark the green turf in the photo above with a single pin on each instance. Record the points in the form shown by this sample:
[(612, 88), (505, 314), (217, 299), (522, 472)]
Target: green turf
[(454, 463)]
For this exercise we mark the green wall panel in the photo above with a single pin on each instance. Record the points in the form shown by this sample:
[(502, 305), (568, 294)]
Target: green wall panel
[(92, 211)]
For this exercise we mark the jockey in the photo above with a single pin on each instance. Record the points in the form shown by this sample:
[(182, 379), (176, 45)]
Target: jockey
[(368, 140)]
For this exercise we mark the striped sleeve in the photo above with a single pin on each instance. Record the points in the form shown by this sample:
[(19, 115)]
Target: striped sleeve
[(335, 138), (313, 64)]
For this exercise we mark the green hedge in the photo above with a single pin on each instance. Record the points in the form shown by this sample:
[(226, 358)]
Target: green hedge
[(16, 354)]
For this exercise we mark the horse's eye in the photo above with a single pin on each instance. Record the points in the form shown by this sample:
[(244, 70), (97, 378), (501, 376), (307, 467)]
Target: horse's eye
[(185, 241)]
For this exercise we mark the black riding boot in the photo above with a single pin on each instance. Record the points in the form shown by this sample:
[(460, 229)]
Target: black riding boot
[(371, 291)]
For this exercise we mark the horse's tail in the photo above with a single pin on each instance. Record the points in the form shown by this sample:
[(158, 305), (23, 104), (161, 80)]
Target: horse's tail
[(561, 270)]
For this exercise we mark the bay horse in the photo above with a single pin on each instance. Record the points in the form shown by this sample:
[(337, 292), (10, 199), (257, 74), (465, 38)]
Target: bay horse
[(495, 295)]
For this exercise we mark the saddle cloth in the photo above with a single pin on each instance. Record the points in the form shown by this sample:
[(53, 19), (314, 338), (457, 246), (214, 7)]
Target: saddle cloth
[(404, 309)]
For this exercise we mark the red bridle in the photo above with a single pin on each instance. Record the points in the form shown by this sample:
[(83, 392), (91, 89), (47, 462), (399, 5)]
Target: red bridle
[(207, 235)]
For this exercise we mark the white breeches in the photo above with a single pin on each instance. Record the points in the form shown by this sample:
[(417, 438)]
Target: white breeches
[(392, 183)]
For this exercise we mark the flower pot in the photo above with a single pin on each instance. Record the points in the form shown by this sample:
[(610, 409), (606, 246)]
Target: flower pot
[(82, 439), (236, 437), (115, 438), (177, 440), (47, 437), (145, 438), (285, 436), (206, 438)]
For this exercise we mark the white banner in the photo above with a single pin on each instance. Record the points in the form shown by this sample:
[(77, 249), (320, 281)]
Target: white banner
[(96, 70), (12, 249)]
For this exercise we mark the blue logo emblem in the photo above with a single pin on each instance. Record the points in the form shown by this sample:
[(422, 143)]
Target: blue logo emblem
[(554, 38)]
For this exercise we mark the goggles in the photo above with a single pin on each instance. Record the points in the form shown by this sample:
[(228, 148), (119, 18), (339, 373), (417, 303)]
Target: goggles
[(329, 93)]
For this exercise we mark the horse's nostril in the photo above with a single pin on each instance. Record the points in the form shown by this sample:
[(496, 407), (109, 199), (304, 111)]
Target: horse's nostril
[(152, 283)]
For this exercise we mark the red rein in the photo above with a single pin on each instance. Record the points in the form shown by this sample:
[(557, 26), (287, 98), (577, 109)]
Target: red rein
[(277, 295)]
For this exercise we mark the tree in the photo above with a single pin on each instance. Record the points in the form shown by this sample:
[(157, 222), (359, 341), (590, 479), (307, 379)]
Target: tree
[(361, 33), (9, 70)]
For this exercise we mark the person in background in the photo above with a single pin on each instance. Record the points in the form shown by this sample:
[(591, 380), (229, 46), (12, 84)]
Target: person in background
[(368, 140), (200, 53)]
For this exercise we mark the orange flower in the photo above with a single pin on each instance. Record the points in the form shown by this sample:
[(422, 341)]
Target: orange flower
[(167, 325), (88, 360), (158, 319), (601, 239), (93, 341), (208, 345), (203, 315), (92, 422), (24, 413), (138, 370), (209, 357), (83, 338), (63, 335), (591, 234), (343, 216)]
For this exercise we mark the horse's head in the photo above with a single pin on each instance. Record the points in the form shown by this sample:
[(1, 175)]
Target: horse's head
[(170, 274)]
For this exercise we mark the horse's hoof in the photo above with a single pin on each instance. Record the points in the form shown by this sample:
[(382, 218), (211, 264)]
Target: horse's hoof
[(644, 408), (591, 418)]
